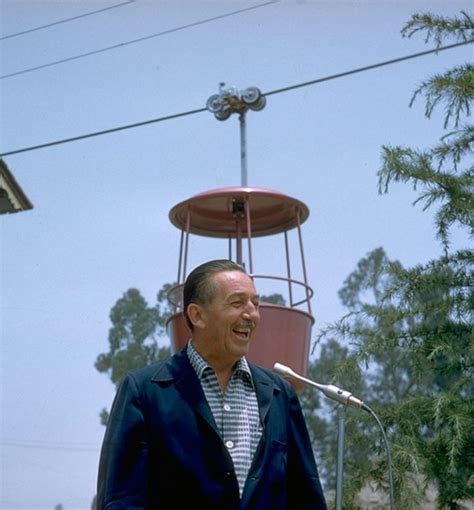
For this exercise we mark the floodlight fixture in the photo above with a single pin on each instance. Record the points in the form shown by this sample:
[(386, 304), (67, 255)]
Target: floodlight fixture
[(230, 100)]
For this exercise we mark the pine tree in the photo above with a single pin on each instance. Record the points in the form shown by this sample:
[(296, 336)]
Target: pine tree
[(410, 330)]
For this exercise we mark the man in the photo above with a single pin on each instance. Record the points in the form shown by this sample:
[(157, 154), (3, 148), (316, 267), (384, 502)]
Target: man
[(206, 428)]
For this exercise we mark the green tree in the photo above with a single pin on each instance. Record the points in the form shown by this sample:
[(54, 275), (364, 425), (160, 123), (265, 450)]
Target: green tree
[(410, 330), (134, 335), (273, 299), (320, 412), (363, 289)]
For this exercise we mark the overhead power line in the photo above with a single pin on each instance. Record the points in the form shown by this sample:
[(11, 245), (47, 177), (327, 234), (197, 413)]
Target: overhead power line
[(66, 20), (368, 68), (272, 92), (134, 41), (105, 132), (48, 445)]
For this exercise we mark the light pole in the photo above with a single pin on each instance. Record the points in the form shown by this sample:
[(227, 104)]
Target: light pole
[(231, 100)]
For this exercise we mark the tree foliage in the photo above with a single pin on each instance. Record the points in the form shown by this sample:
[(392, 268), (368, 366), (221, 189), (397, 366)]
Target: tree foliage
[(273, 299), (408, 331), (134, 336), (440, 28)]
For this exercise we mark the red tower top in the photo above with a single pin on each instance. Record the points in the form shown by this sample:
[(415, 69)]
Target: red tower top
[(244, 213), (214, 213)]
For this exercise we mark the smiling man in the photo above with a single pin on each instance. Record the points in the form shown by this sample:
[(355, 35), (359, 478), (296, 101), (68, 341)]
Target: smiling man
[(207, 427)]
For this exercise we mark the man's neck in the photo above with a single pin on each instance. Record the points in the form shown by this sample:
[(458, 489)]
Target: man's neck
[(222, 368)]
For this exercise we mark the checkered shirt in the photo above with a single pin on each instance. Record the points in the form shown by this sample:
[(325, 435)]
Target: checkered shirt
[(235, 413)]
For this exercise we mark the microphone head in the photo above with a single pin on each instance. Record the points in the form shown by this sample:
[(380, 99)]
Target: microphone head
[(283, 370)]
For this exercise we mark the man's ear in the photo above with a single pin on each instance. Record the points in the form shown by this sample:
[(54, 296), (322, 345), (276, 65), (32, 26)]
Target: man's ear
[(195, 314)]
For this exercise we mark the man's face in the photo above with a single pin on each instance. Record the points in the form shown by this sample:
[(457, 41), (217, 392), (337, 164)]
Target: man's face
[(230, 319)]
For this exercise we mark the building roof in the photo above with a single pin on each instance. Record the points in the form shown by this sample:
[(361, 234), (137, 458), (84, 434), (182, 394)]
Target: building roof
[(12, 197)]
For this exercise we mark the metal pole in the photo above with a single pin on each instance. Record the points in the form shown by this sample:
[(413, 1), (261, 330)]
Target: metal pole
[(178, 280), (243, 149), (288, 268), (341, 411), (188, 226), (303, 261), (238, 243), (249, 233)]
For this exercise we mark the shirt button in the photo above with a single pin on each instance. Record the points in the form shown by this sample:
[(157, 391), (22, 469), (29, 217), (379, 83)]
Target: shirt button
[(229, 444), (226, 407)]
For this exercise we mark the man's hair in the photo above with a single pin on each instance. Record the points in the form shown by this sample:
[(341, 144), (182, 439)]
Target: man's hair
[(199, 287)]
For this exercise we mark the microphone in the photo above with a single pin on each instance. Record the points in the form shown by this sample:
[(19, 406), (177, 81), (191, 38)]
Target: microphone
[(331, 391), (343, 397)]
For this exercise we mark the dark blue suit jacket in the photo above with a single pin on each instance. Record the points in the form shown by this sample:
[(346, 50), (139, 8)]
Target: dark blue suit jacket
[(162, 449)]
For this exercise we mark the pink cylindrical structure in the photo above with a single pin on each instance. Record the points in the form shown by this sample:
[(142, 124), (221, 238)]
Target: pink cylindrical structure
[(236, 213)]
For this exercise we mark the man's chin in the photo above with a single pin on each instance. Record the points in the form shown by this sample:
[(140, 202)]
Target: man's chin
[(241, 347)]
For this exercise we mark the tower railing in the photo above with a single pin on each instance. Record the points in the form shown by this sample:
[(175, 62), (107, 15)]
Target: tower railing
[(175, 293)]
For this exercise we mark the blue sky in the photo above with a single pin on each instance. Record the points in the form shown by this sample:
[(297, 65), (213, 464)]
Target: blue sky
[(100, 222)]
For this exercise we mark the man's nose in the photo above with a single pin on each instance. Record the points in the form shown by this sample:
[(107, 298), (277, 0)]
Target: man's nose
[(251, 311)]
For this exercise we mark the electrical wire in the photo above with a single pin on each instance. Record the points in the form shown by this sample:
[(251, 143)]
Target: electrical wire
[(368, 68), (47, 445), (388, 455), (134, 41), (104, 132), (66, 20), (200, 110)]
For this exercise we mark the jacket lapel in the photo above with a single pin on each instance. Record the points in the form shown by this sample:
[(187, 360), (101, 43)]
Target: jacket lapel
[(264, 388), (179, 370)]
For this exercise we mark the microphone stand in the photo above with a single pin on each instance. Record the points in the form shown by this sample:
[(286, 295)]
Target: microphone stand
[(341, 413), (345, 398)]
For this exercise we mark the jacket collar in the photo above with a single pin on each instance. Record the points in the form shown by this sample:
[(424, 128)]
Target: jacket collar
[(265, 388), (179, 370)]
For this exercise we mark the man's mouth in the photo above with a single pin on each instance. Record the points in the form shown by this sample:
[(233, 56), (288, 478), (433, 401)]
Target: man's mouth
[(244, 331)]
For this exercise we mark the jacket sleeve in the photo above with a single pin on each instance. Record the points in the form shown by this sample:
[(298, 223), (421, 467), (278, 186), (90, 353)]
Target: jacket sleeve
[(304, 487), (122, 479)]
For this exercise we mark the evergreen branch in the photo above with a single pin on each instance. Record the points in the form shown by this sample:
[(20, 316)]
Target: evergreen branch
[(455, 88), (407, 165), (440, 27), (454, 145), (377, 327), (461, 211), (407, 454), (404, 165), (440, 270), (451, 418)]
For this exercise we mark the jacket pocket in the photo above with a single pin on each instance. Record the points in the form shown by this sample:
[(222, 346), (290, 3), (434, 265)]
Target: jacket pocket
[(278, 461)]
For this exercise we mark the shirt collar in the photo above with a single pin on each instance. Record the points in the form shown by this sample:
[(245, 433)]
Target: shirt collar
[(200, 364)]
